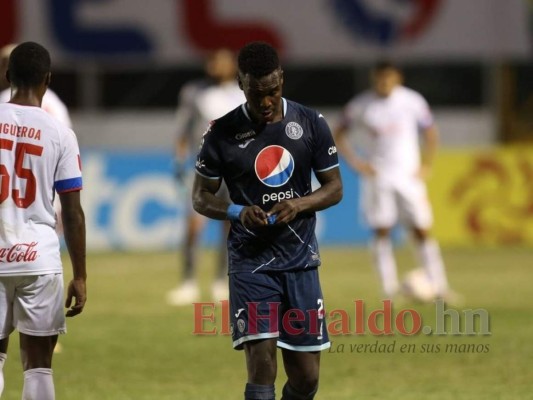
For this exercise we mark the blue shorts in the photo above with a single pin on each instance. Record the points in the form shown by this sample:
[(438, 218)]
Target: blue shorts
[(285, 305)]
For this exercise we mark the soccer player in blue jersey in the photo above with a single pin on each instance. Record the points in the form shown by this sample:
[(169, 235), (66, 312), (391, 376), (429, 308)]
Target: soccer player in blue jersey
[(265, 151)]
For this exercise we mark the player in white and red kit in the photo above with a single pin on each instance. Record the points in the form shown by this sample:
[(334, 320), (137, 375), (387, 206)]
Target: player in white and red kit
[(38, 157), (393, 170), (52, 104)]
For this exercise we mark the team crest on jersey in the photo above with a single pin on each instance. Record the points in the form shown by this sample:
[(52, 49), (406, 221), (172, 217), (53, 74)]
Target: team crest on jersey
[(274, 166), (294, 130)]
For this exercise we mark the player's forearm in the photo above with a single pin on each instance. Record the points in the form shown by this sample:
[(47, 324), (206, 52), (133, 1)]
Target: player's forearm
[(348, 153), (209, 205), (431, 143), (182, 149), (327, 195), (74, 232)]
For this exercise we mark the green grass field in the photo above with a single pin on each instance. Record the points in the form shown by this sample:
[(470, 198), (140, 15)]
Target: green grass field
[(128, 344)]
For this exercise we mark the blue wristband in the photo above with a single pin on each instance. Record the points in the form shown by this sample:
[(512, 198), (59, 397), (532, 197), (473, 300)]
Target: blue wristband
[(234, 212)]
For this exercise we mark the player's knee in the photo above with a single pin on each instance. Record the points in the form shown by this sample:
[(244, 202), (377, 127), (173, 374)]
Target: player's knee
[(262, 364), (37, 351), (381, 233), (262, 370), (420, 234)]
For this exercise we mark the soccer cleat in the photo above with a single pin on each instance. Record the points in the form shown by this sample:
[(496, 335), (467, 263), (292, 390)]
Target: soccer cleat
[(219, 290), (184, 294), (418, 287)]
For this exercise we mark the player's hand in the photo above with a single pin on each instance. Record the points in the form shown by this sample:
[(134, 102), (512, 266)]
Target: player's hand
[(253, 216), (365, 169), (180, 172), (424, 172), (76, 291), (284, 211)]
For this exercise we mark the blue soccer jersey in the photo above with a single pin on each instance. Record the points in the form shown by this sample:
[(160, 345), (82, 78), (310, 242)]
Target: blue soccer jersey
[(263, 164)]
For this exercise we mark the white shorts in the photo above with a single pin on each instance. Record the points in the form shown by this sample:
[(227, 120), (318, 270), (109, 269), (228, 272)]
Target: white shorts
[(32, 304), (389, 201)]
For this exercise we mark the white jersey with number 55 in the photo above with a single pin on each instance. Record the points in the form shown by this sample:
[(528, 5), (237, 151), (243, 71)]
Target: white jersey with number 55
[(38, 156)]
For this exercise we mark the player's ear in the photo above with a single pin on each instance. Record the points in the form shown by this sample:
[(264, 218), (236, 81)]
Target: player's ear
[(48, 79), (239, 81), (7, 76)]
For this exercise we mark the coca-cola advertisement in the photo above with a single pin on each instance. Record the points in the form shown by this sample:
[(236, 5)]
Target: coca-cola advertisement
[(20, 252)]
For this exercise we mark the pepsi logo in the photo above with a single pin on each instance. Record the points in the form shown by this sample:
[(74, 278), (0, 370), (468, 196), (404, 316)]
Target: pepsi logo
[(274, 166)]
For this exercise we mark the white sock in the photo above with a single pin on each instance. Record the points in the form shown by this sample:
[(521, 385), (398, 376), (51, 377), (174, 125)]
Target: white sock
[(431, 261), (3, 358), (38, 384), (386, 265)]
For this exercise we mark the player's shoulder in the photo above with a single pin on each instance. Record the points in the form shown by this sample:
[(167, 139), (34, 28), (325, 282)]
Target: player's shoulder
[(50, 95), (228, 123), (301, 111), (410, 94), (362, 99), (5, 95), (194, 87), (365, 96)]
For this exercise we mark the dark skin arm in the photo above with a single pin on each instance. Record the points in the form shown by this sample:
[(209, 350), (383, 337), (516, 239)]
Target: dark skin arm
[(206, 203), (74, 232), (429, 149)]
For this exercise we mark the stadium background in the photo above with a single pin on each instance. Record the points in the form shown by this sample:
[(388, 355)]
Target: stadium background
[(119, 67)]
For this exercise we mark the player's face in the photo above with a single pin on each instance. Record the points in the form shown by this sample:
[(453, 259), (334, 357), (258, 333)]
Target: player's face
[(221, 65), (384, 81), (263, 96)]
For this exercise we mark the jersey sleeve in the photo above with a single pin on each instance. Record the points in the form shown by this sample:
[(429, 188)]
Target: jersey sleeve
[(186, 111), (424, 116), (352, 114), (324, 152), (68, 173), (208, 160), (53, 105)]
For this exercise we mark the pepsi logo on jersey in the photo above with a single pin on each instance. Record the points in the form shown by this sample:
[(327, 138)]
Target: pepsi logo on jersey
[(274, 166)]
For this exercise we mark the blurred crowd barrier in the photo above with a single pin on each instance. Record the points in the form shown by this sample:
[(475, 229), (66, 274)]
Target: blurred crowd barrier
[(484, 197)]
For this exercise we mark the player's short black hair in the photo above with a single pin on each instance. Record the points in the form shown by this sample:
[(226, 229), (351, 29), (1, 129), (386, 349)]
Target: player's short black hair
[(382, 65), (29, 63), (258, 59)]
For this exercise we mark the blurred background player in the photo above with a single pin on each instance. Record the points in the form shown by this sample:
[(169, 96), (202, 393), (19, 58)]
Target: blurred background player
[(44, 157), (393, 170), (199, 103)]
